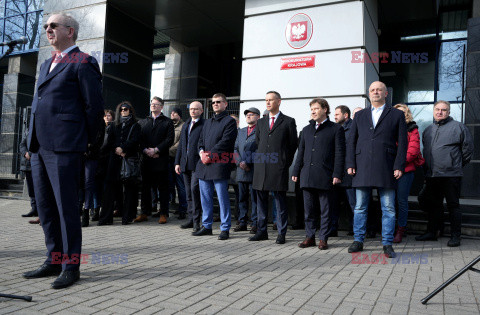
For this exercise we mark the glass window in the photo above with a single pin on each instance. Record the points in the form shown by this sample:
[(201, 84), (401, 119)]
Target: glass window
[(2, 9), (451, 70), (34, 29), (34, 5), (14, 27), (14, 7)]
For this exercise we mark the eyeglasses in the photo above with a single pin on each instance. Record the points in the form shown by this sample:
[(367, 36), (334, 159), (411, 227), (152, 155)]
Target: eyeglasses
[(156, 104), (217, 102), (124, 109), (53, 25)]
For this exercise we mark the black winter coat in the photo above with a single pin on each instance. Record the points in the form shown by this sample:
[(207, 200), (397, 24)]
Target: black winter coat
[(217, 137), (321, 155), (275, 153), (118, 138), (158, 133)]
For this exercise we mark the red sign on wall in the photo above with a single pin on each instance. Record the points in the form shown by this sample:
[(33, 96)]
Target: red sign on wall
[(297, 62)]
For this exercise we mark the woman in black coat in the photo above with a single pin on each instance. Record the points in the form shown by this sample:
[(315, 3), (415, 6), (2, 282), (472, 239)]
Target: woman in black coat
[(121, 145)]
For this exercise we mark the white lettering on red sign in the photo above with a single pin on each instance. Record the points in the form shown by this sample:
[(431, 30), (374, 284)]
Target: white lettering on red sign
[(297, 62)]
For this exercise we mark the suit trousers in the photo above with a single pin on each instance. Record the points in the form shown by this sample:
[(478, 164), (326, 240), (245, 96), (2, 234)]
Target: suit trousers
[(56, 177), (31, 190), (280, 200), (245, 190), (317, 205), (192, 189), (156, 180), (124, 192)]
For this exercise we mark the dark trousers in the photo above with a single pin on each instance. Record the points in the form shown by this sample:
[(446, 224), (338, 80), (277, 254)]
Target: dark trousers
[(157, 180), (192, 190), (448, 188), (246, 192), (317, 205), (56, 180), (90, 186), (128, 194), (299, 206), (176, 181), (280, 199), (31, 190)]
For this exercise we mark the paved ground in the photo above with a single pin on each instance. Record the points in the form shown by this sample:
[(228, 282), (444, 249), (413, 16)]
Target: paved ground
[(169, 271)]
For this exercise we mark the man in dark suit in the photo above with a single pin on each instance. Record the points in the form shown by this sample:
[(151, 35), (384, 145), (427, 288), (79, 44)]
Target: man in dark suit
[(276, 137), (320, 164), (376, 154), (186, 160), (156, 138), (245, 148), (66, 111), (215, 147)]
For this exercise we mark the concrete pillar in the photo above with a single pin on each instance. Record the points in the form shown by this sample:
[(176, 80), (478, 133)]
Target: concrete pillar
[(181, 74)]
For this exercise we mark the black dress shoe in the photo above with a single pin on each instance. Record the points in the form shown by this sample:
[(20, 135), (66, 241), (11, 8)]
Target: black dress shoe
[(454, 241), (426, 237), (280, 239), (187, 225), (44, 270), (202, 231), (240, 227), (371, 234), (388, 250), (224, 235), (32, 213), (355, 247), (66, 279), (258, 237), (95, 215)]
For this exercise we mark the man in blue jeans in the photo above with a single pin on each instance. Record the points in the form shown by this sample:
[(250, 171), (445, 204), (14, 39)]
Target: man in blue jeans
[(376, 154), (216, 146)]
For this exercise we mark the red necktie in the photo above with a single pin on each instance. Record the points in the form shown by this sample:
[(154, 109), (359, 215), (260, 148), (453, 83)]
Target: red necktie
[(273, 121)]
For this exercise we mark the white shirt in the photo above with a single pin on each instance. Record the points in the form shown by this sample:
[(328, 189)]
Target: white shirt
[(376, 113), (270, 118), (57, 58)]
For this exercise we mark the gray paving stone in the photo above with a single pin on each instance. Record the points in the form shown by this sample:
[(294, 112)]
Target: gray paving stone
[(168, 272)]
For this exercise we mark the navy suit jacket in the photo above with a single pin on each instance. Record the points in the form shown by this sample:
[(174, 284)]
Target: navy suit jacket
[(245, 148), (187, 153), (376, 153), (67, 108)]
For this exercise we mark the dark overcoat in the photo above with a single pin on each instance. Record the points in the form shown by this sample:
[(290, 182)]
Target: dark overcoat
[(187, 153), (218, 138), (275, 153), (158, 133), (321, 155), (376, 152)]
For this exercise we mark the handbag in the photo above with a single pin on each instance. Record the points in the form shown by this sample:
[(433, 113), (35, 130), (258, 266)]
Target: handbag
[(130, 170)]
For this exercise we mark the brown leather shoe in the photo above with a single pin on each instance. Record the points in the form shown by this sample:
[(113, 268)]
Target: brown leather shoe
[(141, 218), (37, 221), (163, 219), (322, 245), (308, 242)]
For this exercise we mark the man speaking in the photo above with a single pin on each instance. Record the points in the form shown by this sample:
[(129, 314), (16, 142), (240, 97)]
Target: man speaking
[(66, 111)]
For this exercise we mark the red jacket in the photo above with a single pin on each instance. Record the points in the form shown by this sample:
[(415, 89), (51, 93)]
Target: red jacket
[(413, 149)]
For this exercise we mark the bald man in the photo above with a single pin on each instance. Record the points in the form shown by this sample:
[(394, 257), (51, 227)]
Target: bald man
[(375, 160), (186, 160)]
